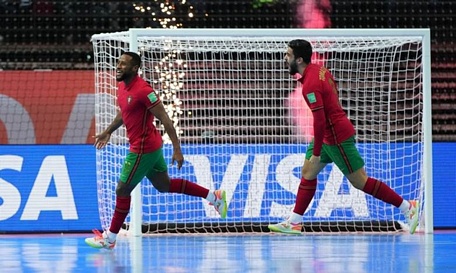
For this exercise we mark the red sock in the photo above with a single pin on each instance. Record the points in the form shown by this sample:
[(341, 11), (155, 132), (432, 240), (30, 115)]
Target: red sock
[(186, 187), (381, 191), (120, 213), (305, 194)]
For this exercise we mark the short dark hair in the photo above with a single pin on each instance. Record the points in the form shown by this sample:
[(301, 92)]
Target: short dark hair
[(135, 58), (301, 49)]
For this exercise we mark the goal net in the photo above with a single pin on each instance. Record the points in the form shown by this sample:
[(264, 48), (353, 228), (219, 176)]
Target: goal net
[(244, 126)]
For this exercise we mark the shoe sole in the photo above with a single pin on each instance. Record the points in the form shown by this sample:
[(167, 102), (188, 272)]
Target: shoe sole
[(225, 207), (87, 241), (414, 224), (273, 228)]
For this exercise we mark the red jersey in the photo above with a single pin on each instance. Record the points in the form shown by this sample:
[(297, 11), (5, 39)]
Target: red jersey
[(135, 101), (331, 124)]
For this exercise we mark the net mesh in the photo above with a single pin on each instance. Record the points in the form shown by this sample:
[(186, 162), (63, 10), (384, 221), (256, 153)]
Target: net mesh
[(244, 127)]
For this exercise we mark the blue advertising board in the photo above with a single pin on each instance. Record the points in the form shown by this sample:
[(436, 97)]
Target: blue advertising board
[(52, 188), (48, 188)]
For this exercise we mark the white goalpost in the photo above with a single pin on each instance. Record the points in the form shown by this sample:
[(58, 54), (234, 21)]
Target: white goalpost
[(244, 126)]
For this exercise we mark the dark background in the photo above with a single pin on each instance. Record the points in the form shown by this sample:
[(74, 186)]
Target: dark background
[(56, 34)]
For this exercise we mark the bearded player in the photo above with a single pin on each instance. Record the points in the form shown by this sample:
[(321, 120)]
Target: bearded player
[(334, 141)]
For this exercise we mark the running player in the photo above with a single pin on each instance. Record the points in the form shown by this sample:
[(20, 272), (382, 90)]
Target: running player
[(139, 105), (334, 141)]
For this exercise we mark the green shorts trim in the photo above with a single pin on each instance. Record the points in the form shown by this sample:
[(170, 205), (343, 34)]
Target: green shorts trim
[(344, 155), (138, 166)]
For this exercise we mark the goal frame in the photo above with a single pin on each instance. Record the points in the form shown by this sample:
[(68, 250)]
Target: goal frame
[(133, 34)]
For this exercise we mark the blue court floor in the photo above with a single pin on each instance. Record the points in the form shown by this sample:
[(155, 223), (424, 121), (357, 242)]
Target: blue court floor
[(319, 253)]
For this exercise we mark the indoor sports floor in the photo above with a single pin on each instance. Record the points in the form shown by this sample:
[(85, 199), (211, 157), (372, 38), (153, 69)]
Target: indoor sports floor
[(319, 253)]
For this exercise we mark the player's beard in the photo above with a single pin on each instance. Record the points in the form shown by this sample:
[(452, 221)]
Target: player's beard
[(293, 68), (122, 76)]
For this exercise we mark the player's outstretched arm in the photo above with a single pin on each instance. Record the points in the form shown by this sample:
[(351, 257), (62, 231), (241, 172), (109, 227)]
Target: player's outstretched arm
[(102, 139), (159, 112)]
